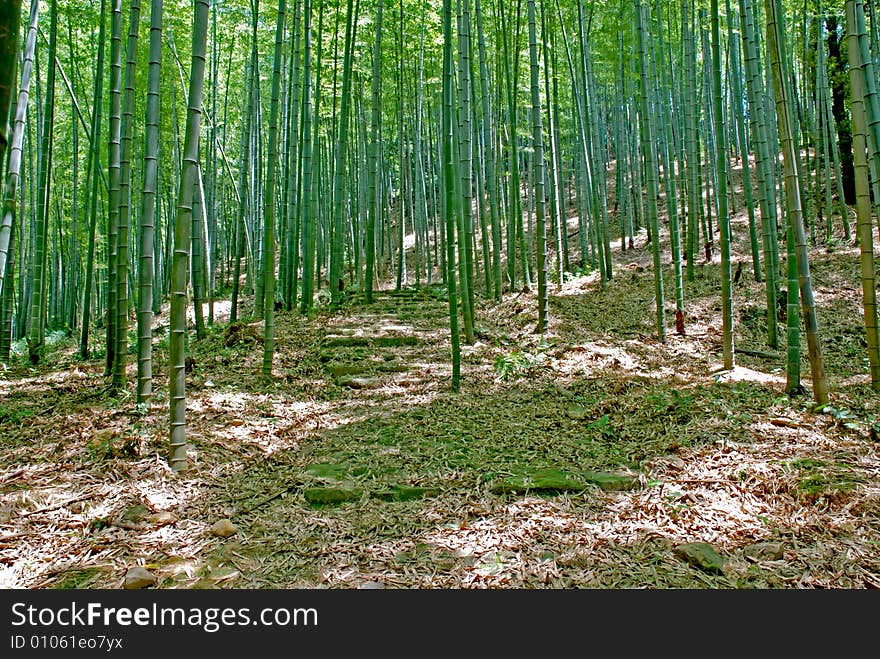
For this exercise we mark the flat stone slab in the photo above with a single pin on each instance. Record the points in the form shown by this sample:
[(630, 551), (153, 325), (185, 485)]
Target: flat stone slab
[(337, 341), (396, 328), (556, 481), (331, 496), (547, 480), (700, 555), (612, 482), (354, 382)]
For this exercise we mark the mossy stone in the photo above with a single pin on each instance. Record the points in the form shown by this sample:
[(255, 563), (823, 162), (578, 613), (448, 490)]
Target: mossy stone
[(701, 555), (76, 579), (611, 482), (544, 480), (331, 496), (354, 382)]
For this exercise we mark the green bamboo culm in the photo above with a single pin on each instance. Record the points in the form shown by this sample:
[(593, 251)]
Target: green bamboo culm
[(13, 172), (764, 167), (648, 152), (94, 168), (736, 77), (538, 166), (448, 174), (462, 141), (721, 166), (858, 62), (491, 162), (784, 113), (10, 18), (124, 201), (306, 208), (113, 139), (148, 211), (691, 148), (269, 200), (871, 102), (373, 181), (177, 342), (337, 229), (39, 298)]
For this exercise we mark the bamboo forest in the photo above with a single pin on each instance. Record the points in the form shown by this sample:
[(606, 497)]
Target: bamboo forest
[(484, 294)]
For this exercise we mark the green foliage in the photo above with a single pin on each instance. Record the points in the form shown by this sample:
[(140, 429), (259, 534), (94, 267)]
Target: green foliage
[(603, 427), (675, 404), (820, 480), (842, 416), (517, 364), (14, 414), (77, 578), (580, 271)]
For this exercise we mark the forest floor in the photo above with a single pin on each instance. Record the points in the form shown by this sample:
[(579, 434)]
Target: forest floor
[(583, 458)]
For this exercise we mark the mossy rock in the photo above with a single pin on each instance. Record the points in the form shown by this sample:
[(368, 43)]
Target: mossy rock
[(556, 482), (405, 493), (611, 482), (544, 480), (331, 496), (327, 470), (701, 555)]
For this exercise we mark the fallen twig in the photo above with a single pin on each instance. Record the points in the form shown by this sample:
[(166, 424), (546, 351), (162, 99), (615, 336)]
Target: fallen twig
[(11, 476)]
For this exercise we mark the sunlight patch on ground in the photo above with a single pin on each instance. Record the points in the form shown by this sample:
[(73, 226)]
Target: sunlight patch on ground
[(591, 357), (744, 374)]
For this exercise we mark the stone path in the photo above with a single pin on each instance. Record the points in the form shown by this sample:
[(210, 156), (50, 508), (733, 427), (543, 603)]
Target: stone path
[(391, 342)]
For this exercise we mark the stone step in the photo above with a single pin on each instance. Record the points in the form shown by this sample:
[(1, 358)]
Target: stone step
[(339, 341)]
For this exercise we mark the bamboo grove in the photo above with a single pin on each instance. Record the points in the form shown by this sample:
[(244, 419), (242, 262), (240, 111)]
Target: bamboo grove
[(308, 152)]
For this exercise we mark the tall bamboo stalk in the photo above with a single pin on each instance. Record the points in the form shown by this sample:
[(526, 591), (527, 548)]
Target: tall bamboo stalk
[(778, 63), (148, 210), (177, 343)]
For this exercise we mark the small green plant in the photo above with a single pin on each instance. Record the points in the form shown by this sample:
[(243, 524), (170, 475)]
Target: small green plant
[(676, 404), (603, 427), (580, 271), (844, 417), (517, 364)]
